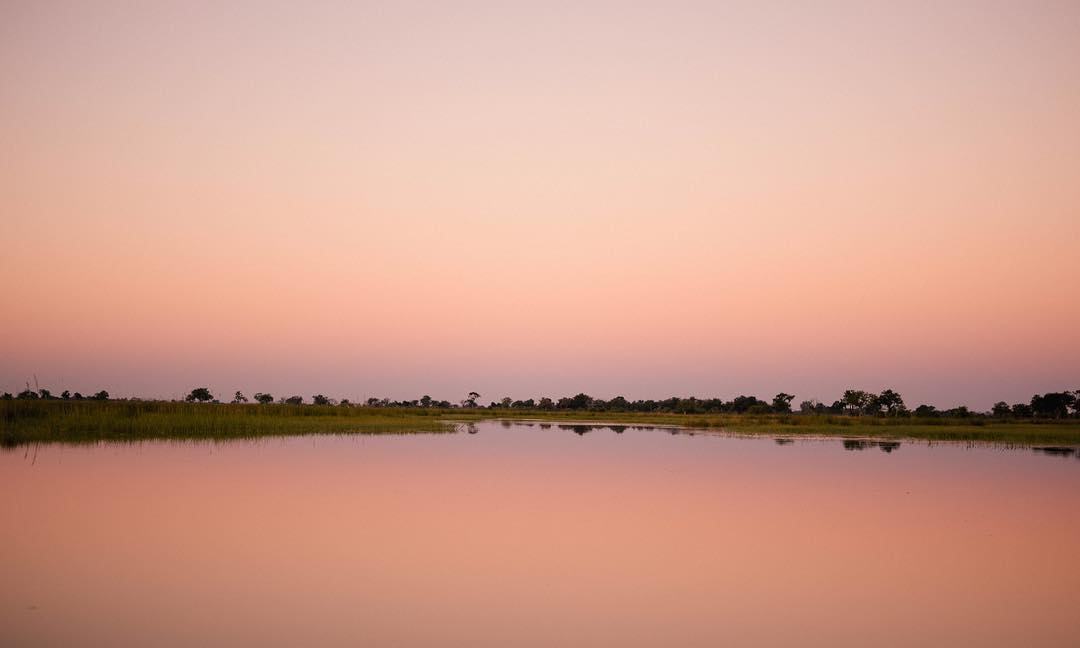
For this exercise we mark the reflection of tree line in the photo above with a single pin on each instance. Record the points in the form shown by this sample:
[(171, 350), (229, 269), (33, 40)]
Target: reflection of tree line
[(864, 444), (581, 429)]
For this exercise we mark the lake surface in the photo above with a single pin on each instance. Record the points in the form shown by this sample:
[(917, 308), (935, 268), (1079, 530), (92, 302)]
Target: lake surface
[(520, 535)]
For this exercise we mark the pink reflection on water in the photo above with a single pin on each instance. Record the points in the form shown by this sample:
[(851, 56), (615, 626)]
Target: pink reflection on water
[(524, 536)]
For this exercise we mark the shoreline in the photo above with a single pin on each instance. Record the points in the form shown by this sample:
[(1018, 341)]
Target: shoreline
[(23, 422)]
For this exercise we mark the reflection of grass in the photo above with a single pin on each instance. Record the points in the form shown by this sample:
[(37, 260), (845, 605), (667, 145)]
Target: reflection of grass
[(1065, 432), (82, 421)]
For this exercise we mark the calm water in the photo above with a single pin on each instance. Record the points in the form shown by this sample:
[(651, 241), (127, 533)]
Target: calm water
[(524, 536)]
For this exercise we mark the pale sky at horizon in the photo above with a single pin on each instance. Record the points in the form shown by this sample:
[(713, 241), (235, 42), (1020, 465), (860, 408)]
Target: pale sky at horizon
[(529, 199)]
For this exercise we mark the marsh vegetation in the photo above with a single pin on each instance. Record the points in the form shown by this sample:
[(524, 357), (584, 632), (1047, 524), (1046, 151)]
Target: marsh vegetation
[(40, 420)]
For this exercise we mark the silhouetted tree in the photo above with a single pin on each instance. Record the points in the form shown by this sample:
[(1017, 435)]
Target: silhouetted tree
[(579, 402), (855, 400), (1001, 409), (1053, 404), (199, 395), (100, 396), (319, 399), (28, 394), (7, 396), (782, 402), (926, 411), (263, 399), (1022, 410), (546, 404), (892, 402), (425, 401), (65, 395), (239, 398), (471, 400), (294, 400), (743, 404)]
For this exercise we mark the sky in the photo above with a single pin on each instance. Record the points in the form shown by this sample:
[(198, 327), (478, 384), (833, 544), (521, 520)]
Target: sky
[(540, 198)]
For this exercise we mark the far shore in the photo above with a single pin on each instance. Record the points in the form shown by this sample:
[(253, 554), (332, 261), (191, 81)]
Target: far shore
[(24, 422)]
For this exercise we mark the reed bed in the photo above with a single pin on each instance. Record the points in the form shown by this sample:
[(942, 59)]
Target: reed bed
[(86, 421)]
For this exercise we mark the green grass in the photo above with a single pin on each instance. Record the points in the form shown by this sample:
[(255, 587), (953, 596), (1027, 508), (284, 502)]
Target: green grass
[(87, 421)]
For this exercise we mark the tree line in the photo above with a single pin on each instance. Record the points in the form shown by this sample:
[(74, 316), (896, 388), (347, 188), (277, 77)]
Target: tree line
[(45, 394), (853, 402)]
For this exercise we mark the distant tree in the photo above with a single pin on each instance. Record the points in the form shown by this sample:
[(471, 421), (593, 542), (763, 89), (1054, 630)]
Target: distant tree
[(1053, 404), (545, 403), (855, 400), (958, 412), (740, 404), (238, 397), (28, 394), (66, 395), (294, 400), (1022, 410), (471, 400), (1001, 409), (345, 402), (618, 404), (7, 396), (926, 411), (199, 395), (76, 396), (581, 401), (45, 394), (808, 406), (425, 401), (319, 399), (891, 402), (263, 399), (101, 395), (782, 402)]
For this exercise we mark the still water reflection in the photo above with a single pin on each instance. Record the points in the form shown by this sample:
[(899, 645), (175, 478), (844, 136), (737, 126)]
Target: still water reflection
[(539, 535)]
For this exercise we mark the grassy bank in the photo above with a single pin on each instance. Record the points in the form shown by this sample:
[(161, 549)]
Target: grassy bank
[(85, 421)]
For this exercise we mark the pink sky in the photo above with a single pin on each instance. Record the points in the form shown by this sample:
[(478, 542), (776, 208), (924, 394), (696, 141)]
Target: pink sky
[(532, 199)]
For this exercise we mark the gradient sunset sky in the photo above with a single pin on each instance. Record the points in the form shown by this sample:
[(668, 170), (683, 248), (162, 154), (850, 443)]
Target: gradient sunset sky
[(528, 199)]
